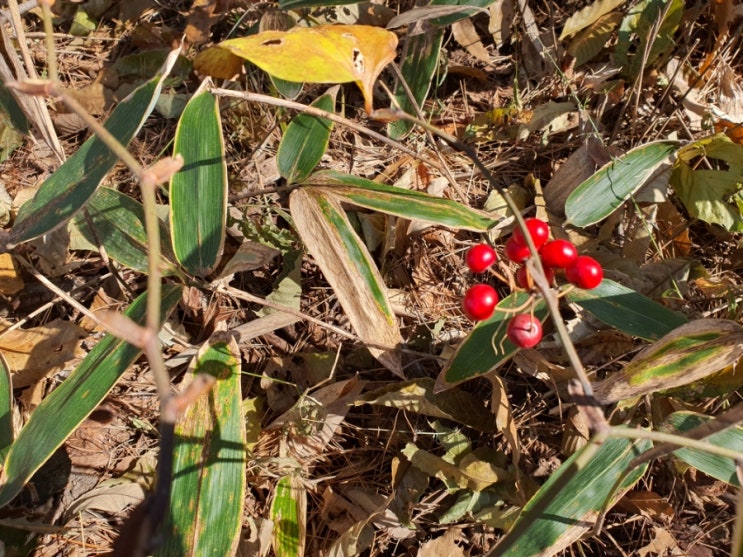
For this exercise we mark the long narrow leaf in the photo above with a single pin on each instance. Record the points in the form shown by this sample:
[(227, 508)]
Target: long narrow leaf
[(59, 414), (6, 408), (65, 192), (209, 461), (419, 64), (565, 507), (305, 142), (198, 192), (402, 203), (116, 221), (348, 267), (688, 354), (627, 310), (718, 467), (605, 191), (289, 516)]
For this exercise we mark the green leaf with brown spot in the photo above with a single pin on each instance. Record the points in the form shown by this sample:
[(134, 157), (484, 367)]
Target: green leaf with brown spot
[(61, 412), (689, 353), (205, 513), (289, 516)]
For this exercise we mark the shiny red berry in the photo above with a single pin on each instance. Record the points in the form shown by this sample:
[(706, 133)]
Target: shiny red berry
[(524, 330), (538, 230), (558, 253), (522, 277), (585, 272), (479, 302), (480, 257), (516, 251)]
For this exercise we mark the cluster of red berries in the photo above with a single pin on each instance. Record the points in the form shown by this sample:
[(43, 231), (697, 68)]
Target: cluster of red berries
[(525, 330)]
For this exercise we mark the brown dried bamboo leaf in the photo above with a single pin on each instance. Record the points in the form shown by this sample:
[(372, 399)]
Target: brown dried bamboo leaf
[(344, 260)]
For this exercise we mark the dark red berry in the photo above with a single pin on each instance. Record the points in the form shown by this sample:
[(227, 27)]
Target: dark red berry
[(538, 230), (522, 277), (558, 253), (516, 251), (585, 272), (480, 257), (524, 330), (479, 302)]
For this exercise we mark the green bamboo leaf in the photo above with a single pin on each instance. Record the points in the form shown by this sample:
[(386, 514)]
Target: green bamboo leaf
[(715, 466), (689, 353), (198, 192), (116, 221), (445, 21), (400, 202), (627, 310), (348, 267), (419, 64), (487, 346), (208, 490), (305, 142), (289, 516), (565, 507), (65, 192), (6, 408), (59, 414), (606, 191)]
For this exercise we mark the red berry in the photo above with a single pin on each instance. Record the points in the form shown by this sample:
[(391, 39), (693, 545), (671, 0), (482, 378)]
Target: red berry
[(522, 277), (516, 251), (538, 230), (479, 302), (524, 330), (480, 257), (585, 272), (559, 253)]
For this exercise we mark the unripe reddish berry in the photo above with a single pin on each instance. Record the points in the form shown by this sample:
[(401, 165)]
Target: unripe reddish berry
[(480, 257), (479, 302), (516, 251), (524, 330), (558, 253), (538, 230), (585, 272)]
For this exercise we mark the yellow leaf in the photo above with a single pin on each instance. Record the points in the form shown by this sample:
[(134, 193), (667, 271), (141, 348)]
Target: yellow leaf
[(323, 54), (10, 279), (218, 63)]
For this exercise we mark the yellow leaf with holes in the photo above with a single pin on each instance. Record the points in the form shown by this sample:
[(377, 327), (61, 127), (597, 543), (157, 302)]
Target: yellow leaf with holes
[(322, 54)]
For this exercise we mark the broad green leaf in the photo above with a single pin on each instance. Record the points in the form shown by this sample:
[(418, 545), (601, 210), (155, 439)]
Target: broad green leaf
[(6, 408), (487, 346), (691, 352), (419, 64), (289, 516), (716, 466), (565, 507), (612, 185), (627, 310), (646, 33), (62, 411), (588, 16), (13, 112), (305, 142), (711, 195), (403, 203), (198, 192), (208, 490), (65, 192), (116, 221), (348, 267), (591, 41)]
